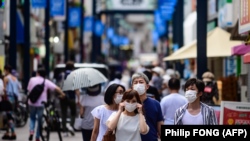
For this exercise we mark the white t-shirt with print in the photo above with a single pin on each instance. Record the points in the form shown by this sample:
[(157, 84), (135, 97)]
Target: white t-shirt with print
[(102, 113), (128, 128)]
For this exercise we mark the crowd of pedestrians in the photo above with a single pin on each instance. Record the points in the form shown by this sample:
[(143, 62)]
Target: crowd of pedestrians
[(133, 110)]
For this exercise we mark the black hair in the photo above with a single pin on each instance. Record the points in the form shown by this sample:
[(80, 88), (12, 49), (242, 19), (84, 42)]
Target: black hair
[(69, 65), (174, 83), (8, 68), (41, 71), (118, 75), (194, 81), (110, 92), (148, 74), (94, 93)]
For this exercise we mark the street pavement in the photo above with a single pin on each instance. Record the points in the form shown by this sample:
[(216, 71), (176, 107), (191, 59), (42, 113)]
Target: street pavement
[(23, 135)]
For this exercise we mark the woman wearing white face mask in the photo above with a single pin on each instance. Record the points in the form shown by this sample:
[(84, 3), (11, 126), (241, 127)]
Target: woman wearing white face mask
[(129, 122), (195, 112), (112, 98)]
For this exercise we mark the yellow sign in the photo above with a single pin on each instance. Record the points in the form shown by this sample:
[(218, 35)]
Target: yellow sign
[(2, 60)]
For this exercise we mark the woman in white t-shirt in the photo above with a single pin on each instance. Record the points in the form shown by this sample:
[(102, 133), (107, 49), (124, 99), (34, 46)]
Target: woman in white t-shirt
[(88, 102), (129, 122), (112, 98)]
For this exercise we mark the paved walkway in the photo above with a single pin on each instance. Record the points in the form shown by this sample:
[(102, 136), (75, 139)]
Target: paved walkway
[(23, 135)]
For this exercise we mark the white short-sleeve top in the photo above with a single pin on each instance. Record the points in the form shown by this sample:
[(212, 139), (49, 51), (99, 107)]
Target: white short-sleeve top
[(128, 128), (102, 113)]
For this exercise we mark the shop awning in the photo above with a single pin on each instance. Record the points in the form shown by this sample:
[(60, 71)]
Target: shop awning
[(218, 45), (247, 58), (240, 49)]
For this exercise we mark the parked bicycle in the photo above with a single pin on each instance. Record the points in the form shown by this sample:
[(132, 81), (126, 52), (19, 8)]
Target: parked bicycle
[(51, 121), (20, 114)]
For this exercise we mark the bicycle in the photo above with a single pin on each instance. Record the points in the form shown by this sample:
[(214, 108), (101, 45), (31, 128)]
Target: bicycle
[(51, 121), (20, 114)]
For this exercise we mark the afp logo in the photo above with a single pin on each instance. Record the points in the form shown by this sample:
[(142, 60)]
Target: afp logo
[(131, 2)]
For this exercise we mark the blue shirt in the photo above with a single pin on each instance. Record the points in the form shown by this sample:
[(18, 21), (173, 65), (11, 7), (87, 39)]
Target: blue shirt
[(153, 115)]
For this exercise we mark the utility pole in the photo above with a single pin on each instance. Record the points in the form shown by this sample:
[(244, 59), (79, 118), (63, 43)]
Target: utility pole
[(66, 34), (94, 47), (47, 36), (178, 18), (201, 37), (26, 64), (82, 53), (13, 33)]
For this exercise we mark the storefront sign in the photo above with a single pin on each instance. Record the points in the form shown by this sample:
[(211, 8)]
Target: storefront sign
[(225, 15), (244, 16), (235, 113), (230, 65)]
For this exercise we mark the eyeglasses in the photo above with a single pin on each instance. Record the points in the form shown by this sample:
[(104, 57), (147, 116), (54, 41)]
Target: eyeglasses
[(119, 92)]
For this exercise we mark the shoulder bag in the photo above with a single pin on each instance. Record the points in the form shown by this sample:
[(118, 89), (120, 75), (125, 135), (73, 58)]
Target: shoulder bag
[(109, 136)]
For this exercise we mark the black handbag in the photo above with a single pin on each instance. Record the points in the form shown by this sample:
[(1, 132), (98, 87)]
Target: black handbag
[(5, 104)]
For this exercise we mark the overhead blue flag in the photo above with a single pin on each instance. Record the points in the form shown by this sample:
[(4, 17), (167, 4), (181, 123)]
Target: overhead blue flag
[(115, 40), (155, 37), (88, 24), (99, 28), (175, 47), (124, 41), (161, 28), (38, 3), (57, 7), (110, 33), (157, 17), (74, 17)]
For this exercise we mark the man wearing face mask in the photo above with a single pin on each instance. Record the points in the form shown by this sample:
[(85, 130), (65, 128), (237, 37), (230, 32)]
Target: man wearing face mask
[(153, 113), (195, 112)]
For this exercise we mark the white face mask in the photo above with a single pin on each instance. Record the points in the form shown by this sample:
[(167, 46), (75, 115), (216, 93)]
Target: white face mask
[(118, 98), (140, 88), (130, 107), (191, 95)]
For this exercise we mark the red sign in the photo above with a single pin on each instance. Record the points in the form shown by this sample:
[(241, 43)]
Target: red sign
[(235, 113), (244, 12), (244, 16)]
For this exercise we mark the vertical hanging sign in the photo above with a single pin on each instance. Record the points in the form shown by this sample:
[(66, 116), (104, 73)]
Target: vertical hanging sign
[(38, 3), (57, 7), (74, 17)]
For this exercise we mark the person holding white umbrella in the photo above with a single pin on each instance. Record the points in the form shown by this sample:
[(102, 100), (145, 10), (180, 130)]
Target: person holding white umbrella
[(89, 101), (91, 79)]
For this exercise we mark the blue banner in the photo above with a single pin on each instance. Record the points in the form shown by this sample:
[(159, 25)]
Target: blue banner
[(88, 24), (38, 3), (166, 9), (155, 37), (157, 17), (57, 7), (99, 28), (124, 41), (110, 33), (161, 28), (115, 40), (74, 17)]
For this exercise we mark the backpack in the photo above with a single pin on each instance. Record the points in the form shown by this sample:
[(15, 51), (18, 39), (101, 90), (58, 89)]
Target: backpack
[(36, 92)]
